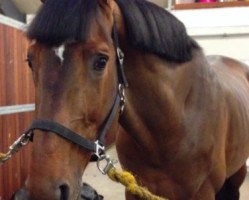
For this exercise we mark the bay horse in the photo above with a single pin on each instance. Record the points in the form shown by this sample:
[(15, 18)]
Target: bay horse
[(184, 129)]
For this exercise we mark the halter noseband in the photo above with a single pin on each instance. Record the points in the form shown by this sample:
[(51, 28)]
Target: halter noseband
[(96, 147)]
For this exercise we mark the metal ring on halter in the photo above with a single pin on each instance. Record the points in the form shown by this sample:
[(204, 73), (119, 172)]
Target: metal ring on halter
[(20, 142), (108, 165), (16, 146)]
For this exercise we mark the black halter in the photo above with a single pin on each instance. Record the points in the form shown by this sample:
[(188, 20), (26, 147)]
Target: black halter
[(97, 147)]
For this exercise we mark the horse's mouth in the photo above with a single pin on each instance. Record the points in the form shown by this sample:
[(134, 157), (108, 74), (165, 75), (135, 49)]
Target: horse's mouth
[(87, 193)]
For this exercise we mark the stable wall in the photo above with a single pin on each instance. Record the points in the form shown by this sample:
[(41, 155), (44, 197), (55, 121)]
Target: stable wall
[(16, 95), (220, 31)]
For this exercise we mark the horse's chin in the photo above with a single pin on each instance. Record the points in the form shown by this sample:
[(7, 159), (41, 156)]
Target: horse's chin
[(87, 192), (21, 194)]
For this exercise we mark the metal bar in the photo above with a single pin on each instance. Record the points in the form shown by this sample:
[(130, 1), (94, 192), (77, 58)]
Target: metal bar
[(5, 110), (11, 22)]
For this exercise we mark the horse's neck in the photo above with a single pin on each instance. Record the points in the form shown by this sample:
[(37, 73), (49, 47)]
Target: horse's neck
[(156, 98)]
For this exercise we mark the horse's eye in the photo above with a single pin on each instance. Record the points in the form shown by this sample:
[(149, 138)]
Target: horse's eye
[(100, 62), (29, 61)]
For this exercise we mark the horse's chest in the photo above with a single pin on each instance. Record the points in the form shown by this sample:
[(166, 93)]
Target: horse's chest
[(175, 180)]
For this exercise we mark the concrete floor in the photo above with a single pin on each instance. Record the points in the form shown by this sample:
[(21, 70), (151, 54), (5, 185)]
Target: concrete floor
[(245, 189), (114, 191)]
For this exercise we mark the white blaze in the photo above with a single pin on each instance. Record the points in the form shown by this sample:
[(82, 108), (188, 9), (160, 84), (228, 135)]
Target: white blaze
[(59, 52)]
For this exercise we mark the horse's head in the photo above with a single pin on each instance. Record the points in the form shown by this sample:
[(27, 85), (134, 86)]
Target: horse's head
[(74, 65)]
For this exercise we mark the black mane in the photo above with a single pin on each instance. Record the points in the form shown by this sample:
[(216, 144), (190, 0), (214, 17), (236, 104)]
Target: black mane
[(60, 21), (149, 28)]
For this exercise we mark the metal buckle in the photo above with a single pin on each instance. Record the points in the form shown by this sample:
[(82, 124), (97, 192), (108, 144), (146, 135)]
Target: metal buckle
[(99, 149), (120, 55), (107, 166), (122, 97)]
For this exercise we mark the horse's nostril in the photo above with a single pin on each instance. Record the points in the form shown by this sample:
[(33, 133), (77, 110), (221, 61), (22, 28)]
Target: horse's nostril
[(64, 189)]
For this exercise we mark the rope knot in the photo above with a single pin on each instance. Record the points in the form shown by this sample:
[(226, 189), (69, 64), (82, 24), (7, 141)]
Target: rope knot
[(129, 181)]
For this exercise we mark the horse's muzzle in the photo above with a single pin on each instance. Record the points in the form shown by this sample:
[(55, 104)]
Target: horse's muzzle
[(87, 193)]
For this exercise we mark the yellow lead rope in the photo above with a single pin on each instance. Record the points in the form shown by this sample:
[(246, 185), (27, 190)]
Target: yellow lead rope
[(130, 183), (2, 156)]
